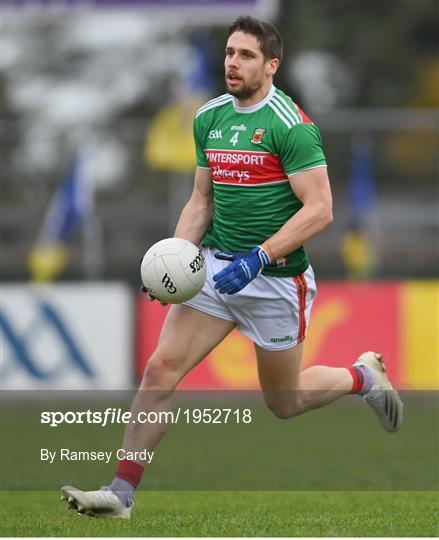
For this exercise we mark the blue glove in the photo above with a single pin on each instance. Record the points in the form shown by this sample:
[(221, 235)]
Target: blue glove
[(244, 268)]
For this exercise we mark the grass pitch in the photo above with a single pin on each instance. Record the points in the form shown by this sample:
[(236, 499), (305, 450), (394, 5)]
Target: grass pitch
[(319, 513), (340, 474)]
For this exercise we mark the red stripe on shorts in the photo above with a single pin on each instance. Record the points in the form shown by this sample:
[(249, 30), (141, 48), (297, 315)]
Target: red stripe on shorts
[(302, 291)]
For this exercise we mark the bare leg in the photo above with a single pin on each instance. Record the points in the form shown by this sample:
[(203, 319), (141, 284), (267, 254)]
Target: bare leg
[(288, 391), (187, 336)]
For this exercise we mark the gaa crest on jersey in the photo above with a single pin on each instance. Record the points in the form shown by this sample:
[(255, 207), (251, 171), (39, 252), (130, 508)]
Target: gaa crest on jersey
[(258, 135)]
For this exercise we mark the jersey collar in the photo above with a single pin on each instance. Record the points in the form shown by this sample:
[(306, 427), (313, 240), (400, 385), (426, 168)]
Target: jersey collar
[(256, 106)]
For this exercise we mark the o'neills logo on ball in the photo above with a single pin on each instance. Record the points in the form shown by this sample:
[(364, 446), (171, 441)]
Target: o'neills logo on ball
[(258, 135)]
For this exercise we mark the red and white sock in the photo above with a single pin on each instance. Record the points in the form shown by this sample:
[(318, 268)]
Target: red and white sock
[(130, 471), (362, 380), (128, 476)]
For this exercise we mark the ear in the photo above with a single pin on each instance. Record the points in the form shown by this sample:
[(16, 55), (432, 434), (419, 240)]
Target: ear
[(272, 66)]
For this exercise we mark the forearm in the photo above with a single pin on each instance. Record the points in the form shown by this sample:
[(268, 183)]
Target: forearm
[(194, 221), (246, 266), (300, 228)]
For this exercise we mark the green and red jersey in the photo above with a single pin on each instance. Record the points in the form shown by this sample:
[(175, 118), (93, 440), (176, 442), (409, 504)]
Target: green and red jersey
[(251, 152)]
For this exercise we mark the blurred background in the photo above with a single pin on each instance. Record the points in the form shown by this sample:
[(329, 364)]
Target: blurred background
[(105, 84), (97, 100)]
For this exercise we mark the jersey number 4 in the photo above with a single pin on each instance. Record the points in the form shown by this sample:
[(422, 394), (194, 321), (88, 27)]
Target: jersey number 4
[(234, 139)]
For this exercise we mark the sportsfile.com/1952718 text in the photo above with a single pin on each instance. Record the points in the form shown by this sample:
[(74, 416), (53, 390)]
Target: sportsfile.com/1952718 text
[(112, 415)]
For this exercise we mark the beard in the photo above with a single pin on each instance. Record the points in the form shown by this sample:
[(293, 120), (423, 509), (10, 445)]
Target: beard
[(245, 92)]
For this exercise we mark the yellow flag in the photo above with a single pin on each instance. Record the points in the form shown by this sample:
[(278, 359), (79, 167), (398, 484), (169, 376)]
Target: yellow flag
[(358, 255), (46, 263), (169, 144)]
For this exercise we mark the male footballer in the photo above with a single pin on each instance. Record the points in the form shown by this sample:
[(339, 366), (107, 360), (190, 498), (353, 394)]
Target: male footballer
[(261, 191)]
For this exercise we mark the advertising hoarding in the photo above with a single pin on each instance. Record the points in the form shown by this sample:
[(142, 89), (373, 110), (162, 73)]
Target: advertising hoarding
[(397, 319), (66, 337)]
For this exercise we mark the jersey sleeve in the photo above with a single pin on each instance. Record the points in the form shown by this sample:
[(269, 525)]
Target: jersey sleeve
[(199, 143), (302, 149)]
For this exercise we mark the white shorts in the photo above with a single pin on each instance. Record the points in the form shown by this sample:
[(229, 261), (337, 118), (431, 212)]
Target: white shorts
[(273, 312)]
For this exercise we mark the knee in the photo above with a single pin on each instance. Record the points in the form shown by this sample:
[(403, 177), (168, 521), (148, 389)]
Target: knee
[(284, 410), (161, 371)]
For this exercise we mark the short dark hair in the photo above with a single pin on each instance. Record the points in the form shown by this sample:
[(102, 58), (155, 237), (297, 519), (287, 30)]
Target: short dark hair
[(267, 35)]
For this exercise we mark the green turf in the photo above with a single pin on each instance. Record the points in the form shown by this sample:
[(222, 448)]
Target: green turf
[(320, 513), (341, 447), (341, 473)]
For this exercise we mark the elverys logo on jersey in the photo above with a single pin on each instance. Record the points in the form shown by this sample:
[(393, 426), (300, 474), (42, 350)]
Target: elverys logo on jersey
[(244, 167), (258, 135)]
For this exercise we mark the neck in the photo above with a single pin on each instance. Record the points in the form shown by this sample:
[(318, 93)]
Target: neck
[(258, 96)]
